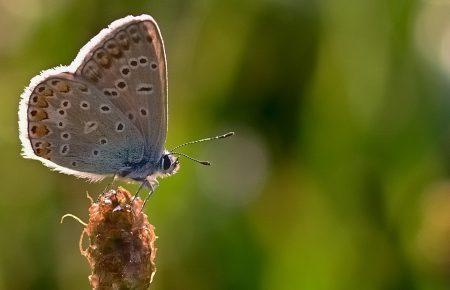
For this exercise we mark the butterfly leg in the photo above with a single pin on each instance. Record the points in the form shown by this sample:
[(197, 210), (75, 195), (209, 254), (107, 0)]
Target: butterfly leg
[(139, 189), (108, 187), (153, 185)]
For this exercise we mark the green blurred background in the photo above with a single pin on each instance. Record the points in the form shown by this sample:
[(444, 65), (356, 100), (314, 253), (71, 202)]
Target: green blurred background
[(338, 177)]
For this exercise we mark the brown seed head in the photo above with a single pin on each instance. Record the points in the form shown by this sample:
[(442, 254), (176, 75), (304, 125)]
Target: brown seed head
[(121, 251)]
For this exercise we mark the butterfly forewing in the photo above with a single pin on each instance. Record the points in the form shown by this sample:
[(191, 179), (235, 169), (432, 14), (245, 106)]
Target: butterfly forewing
[(128, 67)]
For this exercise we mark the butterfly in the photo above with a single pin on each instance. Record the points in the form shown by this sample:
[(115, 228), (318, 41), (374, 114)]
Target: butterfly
[(106, 113)]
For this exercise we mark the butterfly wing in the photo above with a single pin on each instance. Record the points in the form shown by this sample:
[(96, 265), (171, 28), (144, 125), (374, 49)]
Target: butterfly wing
[(127, 63), (72, 127), (116, 113)]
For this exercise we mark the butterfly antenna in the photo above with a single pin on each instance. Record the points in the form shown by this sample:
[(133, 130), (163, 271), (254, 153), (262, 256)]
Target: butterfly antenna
[(203, 140), (202, 162)]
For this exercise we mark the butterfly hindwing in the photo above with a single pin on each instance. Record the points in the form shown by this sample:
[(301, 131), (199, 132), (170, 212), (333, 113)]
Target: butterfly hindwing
[(71, 125)]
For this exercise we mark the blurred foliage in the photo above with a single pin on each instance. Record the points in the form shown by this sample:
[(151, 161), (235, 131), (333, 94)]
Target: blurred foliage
[(337, 178)]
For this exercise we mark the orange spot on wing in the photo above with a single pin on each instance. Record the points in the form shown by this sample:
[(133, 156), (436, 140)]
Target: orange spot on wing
[(39, 100), (37, 114), (38, 130)]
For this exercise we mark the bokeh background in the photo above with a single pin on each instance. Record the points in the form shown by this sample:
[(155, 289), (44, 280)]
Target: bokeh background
[(338, 177)]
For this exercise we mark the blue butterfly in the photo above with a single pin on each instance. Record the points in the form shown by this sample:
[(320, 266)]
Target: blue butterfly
[(106, 113)]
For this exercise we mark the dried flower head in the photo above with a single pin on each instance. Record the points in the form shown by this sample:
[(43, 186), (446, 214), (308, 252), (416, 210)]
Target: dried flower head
[(121, 251)]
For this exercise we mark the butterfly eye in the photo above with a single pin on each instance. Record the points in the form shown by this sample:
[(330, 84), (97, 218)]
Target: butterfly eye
[(166, 162)]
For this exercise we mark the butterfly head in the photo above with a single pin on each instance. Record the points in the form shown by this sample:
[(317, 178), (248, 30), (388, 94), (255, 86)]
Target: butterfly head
[(169, 164)]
